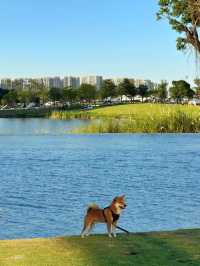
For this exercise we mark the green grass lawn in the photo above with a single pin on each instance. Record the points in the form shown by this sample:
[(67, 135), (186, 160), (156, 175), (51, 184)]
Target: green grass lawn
[(150, 249), (138, 118), (142, 110)]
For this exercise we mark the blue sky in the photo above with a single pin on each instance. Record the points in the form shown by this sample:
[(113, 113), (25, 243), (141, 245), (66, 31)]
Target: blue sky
[(80, 37)]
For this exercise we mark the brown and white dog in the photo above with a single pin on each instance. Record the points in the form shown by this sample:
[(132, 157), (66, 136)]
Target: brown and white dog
[(108, 215)]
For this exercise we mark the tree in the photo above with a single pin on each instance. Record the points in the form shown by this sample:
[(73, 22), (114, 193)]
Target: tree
[(108, 89), (11, 98), (184, 17), (38, 90), (126, 87), (161, 91), (3, 92), (43, 94), (197, 83), (87, 92), (55, 94), (181, 89), (121, 90), (23, 96), (34, 97), (143, 90), (69, 94)]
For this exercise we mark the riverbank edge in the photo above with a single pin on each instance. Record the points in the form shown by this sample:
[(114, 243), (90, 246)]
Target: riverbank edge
[(180, 247), (181, 230), (36, 112), (26, 113), (125, 118)]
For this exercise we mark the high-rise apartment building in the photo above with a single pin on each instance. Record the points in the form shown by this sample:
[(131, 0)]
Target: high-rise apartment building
[(27, 82), (151, 85), (48, 82), (6, 84), (73, 82), (57, 82), (117, 81), (17, 84), (54, 82), (92, 80), (39, 81), (139, 82)]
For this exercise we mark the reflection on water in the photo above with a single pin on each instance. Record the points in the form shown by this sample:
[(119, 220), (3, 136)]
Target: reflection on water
[(37, 126), (48, 180)]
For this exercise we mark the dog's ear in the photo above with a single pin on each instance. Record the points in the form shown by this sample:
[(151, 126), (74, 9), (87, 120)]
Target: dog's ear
[(115, 199)]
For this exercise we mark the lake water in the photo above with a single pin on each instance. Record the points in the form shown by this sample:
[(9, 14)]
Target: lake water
[(48, 177)]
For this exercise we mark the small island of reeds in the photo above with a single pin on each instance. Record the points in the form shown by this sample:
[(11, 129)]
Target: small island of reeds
[(137, 118)]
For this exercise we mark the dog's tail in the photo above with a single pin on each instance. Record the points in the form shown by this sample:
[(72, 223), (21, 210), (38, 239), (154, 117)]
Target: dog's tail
[(92, 206)]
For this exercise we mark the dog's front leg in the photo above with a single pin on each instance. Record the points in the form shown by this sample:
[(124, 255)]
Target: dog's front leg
[(109, 227), (114, 229)]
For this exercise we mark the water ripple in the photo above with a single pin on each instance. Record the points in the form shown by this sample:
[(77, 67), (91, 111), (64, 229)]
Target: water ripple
[(47, 181)]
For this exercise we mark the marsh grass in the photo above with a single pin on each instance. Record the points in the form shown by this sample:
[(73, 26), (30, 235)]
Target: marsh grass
[(67, 115), (137, 118)]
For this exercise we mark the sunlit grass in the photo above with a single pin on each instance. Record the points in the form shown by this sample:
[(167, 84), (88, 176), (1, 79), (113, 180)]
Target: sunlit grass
[(149, 249), (138, 118)]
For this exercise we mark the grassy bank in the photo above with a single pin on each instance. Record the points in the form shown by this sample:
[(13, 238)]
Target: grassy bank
[(138, 118), (149, 249)]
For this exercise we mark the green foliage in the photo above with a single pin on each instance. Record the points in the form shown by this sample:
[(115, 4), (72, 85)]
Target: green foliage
[(197, 88), (108, 89), (11, 98), (55, 94), (181, 89), (184, 17), (87, 92), (161, 91), (3, 92), (69, 94), (43, 94), (143, 91), (127, 88), (23, 96)]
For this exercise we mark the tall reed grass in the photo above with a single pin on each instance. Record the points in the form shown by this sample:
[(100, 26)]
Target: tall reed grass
[(67, 115), (138, 118)]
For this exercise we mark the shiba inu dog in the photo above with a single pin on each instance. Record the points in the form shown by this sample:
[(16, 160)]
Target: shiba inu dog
[(108, 215)]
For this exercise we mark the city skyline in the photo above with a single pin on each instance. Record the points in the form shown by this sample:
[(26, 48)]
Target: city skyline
[(69, 81)]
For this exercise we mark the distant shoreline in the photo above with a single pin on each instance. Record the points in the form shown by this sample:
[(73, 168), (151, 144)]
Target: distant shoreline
[(122, 118), (25, 113)]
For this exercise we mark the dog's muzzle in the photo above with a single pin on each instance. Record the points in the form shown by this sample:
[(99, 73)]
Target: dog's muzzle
[(123, 207)]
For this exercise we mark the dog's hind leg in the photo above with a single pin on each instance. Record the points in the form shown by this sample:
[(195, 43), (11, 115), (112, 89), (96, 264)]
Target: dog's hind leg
[(86, 230), (87, 226), (83, 231)]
